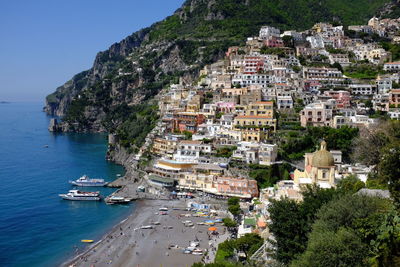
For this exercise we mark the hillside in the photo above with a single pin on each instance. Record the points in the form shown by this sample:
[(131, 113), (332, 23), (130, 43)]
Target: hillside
[(114, 94)]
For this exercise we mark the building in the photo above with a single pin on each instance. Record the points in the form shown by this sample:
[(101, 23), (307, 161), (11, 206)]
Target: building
[(383, 84), (268, 31), (284, 102), (394, 98), (170, 168), (187, 121), (166, 146), (391, 66), (191, 151), (362, 89), (319, 169), (317, 114), (237, 187), (342, 98), (267, 154), (342, 59), (322, 74)]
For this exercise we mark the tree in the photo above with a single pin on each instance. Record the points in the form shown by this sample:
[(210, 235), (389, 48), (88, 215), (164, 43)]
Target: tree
[(344, 231), (228, 222), (233, 201), (288, 229), (331, 249), (292, 221), (389, 171), (288, 41), (338, 66), (350, 184), (249, 243)]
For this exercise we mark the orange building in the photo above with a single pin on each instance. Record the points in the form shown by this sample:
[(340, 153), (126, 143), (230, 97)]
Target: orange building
[(239, 187)]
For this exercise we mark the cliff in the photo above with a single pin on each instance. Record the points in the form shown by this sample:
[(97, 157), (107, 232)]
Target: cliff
[(131, 72)]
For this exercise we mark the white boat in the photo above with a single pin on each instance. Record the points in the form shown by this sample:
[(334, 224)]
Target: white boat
[(81, 196), (86, 181), (117, 200)]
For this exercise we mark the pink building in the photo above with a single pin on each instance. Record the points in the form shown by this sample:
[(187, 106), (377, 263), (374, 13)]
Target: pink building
[(274, 42), (318, 114), (226, 107), (240, 187), (252, 64), (342, 98), (394, 98)]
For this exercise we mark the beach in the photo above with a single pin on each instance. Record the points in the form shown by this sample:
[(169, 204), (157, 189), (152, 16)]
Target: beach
[(162, 245)]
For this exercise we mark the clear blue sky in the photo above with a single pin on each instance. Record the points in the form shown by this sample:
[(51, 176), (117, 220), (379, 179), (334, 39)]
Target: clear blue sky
[(43, 43)]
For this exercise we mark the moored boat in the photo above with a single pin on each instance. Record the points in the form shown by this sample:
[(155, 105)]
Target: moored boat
[(117, 200), (86, 181), (81, 196)]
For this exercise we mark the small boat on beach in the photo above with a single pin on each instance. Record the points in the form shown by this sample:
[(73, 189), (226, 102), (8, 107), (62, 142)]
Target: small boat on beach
[(86, 181), (81, 196), (117, 200)]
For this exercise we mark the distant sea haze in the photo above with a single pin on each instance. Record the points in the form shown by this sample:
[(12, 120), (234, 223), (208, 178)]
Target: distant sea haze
[(37, 228)]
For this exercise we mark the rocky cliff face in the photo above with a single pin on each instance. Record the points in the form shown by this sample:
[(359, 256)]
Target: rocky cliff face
[(135, 69)]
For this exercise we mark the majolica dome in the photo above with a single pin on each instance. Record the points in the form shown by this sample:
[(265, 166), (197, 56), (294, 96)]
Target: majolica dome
[(322, 157)]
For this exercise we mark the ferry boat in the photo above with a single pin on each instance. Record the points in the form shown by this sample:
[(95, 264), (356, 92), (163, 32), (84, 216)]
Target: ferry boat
[(86, 181), (82, 196)]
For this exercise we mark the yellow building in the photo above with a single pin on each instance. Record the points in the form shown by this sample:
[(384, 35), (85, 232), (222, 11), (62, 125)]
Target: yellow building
[(263, 108), (164, 146), (319, 169), (255, 121)]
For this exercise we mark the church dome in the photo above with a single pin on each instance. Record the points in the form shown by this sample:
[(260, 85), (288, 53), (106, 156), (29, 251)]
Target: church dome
[(322, 157)]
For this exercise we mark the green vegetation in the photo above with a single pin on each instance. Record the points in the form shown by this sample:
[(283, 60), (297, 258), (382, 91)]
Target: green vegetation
[(244, 18), (392, 48), (225, 151), (228, 222), (273, 51), (324, 230), (353, 232), (138, 121), (267, 176), (296, 143), (248, 244), (292, 221), (234, 206), (363, 71)]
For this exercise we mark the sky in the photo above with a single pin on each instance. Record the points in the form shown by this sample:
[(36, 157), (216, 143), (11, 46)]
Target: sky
[(43, 43)]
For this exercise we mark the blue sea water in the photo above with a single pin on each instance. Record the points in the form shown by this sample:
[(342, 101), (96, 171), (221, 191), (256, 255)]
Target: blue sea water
[(37, 228)]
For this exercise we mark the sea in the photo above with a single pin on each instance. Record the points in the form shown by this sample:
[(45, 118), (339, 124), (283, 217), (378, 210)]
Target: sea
[(37, 227)]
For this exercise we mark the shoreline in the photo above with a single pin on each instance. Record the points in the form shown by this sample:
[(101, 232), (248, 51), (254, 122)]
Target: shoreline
[(114, 228), (127, 244)]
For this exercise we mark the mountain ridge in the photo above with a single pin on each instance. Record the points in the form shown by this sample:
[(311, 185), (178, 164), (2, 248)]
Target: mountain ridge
[(131, 72)]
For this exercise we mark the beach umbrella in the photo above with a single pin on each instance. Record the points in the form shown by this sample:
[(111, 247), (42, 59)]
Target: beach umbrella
[(212, 229)]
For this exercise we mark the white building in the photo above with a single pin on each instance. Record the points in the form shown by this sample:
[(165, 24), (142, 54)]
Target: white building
[(251, 79), (383, 84), (268, 31), (391, 66), (284, 102), (362, 89), (191, 151)]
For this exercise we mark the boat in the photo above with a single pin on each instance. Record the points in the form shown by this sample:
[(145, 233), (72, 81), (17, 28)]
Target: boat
[(81, 196), (87, 241), (117, 200), (86, 181)]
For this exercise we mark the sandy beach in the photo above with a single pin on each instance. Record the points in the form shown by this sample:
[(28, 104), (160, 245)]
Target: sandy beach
[(128, 245)]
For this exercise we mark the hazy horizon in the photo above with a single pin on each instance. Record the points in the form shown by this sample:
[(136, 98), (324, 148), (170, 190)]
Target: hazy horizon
[(44, 43)]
